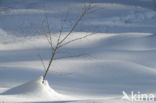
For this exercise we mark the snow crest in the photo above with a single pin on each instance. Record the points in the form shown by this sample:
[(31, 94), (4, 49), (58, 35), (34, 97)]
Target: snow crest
[(34, 88)]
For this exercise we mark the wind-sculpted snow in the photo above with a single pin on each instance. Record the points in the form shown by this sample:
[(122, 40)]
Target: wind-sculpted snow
[(119, 57), (35, 88), (109, 64), (111, 16)]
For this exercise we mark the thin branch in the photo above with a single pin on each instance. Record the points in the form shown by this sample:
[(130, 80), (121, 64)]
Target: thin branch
[(62, 28), (47, 37), (86, 9), (68, 42), (93, 9), (71, 56), (49, 31), (42, 61)]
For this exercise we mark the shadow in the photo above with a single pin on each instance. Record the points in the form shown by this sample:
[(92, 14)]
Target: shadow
[(28, 22), (10, 77)]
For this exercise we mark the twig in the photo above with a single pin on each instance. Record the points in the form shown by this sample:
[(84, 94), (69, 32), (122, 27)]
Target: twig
[(76, 23), (62, 28), (68, 42), (47, 37), (71, 56), (42, 61)]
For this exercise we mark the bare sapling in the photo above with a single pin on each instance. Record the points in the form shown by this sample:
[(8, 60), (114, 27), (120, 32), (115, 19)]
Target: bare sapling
[(61, 40)]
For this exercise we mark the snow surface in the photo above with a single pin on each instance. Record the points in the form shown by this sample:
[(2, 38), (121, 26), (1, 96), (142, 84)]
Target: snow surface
[(119, 57), (34, 89)]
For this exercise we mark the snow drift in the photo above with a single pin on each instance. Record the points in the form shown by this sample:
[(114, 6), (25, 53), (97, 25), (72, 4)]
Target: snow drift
[(120, 56), (35, 89)]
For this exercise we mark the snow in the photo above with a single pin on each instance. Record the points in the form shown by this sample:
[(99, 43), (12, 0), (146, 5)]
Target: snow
[(34, 89), (119, 57), (35, 86)]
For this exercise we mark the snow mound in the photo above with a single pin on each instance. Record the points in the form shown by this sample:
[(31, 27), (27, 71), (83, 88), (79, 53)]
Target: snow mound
[(35, 88)]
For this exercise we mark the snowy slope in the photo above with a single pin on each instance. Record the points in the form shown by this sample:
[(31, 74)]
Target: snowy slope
[(119, 57)]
